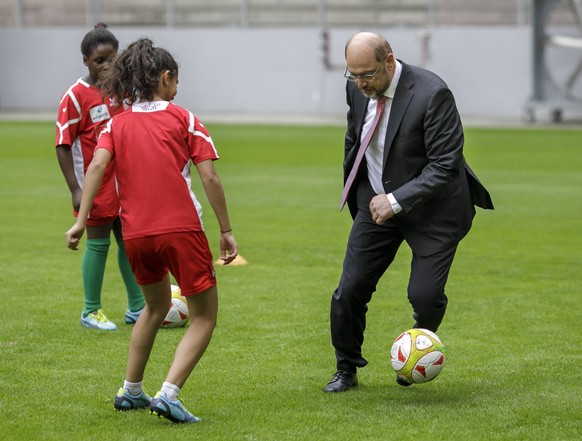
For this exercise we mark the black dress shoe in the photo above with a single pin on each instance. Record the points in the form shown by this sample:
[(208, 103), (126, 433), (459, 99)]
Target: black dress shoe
[(402, 382), (342, 380)]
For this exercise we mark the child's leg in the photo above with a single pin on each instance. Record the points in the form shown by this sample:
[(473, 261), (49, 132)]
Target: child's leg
[(202, 310), (157, 303), (135, 300), (93, 265)]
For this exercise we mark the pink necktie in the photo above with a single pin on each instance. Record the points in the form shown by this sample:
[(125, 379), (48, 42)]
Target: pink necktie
[(363, 146)]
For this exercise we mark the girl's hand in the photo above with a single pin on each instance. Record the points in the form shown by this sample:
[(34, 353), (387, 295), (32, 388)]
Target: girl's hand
[(73, 236), (228, 247)]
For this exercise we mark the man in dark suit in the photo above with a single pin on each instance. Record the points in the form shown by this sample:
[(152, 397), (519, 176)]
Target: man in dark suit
[(412, 185)]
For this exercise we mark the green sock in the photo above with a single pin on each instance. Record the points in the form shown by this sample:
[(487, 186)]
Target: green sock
[(135, 299), (93, 269)]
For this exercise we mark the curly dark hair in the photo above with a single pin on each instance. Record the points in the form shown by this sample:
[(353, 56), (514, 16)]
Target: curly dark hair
[(134, 74)]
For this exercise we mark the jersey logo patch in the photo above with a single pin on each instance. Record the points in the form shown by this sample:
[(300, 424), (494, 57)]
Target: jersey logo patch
[(150, 106), (99, 113)]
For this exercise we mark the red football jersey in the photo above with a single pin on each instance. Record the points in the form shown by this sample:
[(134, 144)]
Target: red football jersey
[(82, 115), (154, 145)]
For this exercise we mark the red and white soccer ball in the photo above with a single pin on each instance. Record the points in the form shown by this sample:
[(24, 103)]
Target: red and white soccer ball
[(417, 355), (178, 314)]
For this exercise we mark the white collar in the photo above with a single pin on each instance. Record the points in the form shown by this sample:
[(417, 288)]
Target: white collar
[(394, 83)]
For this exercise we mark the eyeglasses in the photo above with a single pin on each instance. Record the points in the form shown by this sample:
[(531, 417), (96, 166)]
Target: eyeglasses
[(366, 77)]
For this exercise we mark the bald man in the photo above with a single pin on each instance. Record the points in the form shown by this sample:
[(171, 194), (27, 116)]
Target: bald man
[(411, 185)]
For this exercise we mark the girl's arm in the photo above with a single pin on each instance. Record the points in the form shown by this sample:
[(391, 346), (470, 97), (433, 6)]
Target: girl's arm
[(65, 158), (93, 179), (215, 194)]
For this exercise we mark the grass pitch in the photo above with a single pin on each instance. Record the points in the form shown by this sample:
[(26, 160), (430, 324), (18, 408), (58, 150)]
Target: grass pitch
[(512, 330)]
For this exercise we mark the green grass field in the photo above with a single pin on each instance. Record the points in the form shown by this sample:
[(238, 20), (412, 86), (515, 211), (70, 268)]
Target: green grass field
[(512, 329)]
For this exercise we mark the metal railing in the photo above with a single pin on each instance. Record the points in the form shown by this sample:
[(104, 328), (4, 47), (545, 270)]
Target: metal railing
[(264, 13)]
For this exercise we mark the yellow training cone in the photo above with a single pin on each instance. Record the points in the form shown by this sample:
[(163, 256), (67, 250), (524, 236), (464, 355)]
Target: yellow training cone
[(238, 260)]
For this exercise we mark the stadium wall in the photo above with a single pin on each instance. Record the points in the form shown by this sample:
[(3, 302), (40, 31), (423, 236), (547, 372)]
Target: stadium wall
[(276, 71)]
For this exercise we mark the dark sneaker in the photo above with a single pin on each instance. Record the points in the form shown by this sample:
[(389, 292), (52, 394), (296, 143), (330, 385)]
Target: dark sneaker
[(172, 410), (125, 401)]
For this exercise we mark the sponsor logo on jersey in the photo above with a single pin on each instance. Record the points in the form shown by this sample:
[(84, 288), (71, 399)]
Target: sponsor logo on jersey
[(99, 113)]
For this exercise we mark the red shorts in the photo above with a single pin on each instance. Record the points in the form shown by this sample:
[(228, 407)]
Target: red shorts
[(99, 222), (186, 255)]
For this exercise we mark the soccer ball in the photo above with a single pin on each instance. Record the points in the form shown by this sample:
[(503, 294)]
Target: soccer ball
[(178, 314), (417, 355)]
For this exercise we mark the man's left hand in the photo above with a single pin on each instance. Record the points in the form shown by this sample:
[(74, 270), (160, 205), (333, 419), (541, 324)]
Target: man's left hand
[(381, 209)]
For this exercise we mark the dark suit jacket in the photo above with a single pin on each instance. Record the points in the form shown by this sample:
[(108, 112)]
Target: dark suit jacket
[(424, 167)]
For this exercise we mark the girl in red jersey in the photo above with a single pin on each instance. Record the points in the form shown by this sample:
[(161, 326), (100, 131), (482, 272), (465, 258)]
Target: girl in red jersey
[(83, 113), (154, 143)]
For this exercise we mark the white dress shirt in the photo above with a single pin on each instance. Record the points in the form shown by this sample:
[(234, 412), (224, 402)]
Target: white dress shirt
[(375, 152)]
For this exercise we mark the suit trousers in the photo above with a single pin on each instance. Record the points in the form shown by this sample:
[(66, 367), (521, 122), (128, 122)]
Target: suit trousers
[(370, 250)]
